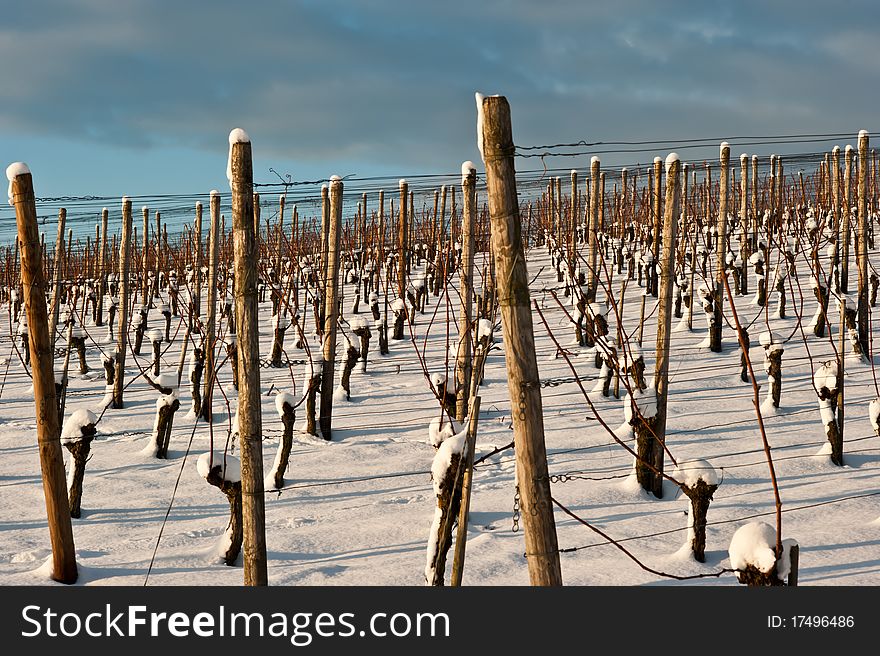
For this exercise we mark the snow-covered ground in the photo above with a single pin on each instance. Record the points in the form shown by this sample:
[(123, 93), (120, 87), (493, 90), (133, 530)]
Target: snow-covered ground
[(358, 509)]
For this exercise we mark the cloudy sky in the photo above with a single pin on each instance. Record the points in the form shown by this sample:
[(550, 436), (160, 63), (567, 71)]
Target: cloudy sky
[(137, 96)]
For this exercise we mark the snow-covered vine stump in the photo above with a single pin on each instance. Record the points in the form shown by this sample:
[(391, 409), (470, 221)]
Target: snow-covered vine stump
[(76, 436), (698, 480), (451, 443), (352, 355), (139, 323), (166, 406), (773, 351), (196, 366), (640, 412), (757, 261), (224, 472), (361, 329), (753, 555), (166, 314), (820, 291), (743, 360), (78, 342), (398, 306), (280, 324), (284, 404), (232, 355), (826, 382), (156, 342), (848, 310), (312, 386), (636, 368)]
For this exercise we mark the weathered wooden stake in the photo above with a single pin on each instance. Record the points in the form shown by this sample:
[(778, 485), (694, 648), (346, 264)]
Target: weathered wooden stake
[(122, 318), (463, 370), (211, 311), (56, 277), (721, 252), (33, 283), (247, 325), (862, 246), (497, 149), (328, 346)]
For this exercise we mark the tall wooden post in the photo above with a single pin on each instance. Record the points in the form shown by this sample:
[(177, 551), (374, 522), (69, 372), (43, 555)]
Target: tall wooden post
[(145, 251), (744, 221), (721, 251), (862, 246), (664, 317), (196, 291), (401, 241), (658, 218), (102, 269), (593, 247), (122, 316), (463, 371), (573, 222), (56, 277), (48, 428), (522, 367), (280, 232), (250, 430), (845, 218), (835, 210), (328, 346), (325, 235), (211, 311), (755, 209)]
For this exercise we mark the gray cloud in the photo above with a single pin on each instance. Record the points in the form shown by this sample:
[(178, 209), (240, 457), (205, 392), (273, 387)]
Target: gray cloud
[(393, 82)]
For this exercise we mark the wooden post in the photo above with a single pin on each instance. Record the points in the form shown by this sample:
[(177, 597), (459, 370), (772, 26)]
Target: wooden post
[(744, 248), (755, 210), (56, 278), (328, 346), (280, 229), (463, 369), (835, 213), (46, 410), (211, 311), (102, 269), (145, 250), (523, 380), (250, 433), (593, 246), (721, 252), (862, 247), (845, 218), (122, 316), (196, 291), (664, 317), (465, 504), (325, 233), (658, 218), (401, 241)]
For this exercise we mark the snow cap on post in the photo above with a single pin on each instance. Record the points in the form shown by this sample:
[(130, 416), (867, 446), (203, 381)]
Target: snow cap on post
[(724, 145), (594, 160), (671, 158), (657, 160), (236, 136), (863, 134), (12, 172), (466, 168)]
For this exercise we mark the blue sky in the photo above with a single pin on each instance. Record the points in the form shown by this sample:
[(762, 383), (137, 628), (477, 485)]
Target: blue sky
[(113, 97)]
